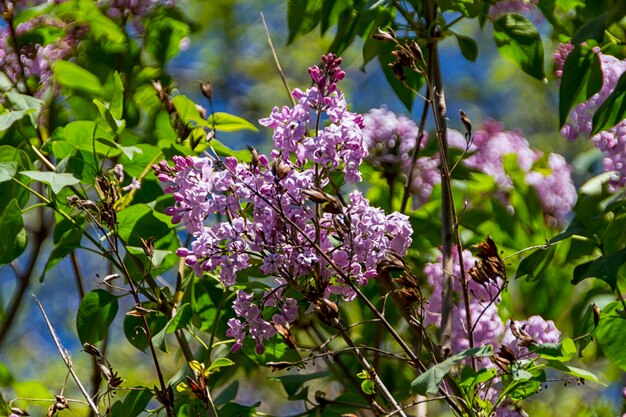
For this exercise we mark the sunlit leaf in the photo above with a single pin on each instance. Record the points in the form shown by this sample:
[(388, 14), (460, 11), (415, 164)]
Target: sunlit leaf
[(519, 40), (14, 238)]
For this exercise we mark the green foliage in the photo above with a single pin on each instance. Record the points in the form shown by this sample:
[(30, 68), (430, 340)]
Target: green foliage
[(428, 382), (12, 226), (582, 78), (519, 40), (96, 312), (613, 110)]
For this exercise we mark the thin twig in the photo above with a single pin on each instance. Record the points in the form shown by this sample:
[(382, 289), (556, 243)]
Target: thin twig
[(67, 360), (278, 67)]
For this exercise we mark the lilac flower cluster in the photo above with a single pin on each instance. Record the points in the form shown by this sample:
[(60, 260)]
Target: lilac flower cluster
[(555, 190), (276, 214), (611, 142), (486, 325), (391, 142), (501, 7), (33, 60), (131, 8)]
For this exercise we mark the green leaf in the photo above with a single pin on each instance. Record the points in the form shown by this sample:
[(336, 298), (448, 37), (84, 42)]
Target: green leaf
[(613, 110), (7, 170), (368, 386), (582, 78), (95, 314), (470, 379), (164, 32), (220, 363), (302, 17), (6, 379), (428, 382), (596, 28), (136, 402), (468, 47), (576, 372), (229, 123), (140, 221), (55, 180), (610, 334), (8, 118), (561, 352), (293, 383), (533, 266), (525, 383), (134, 331), (71, 76), (413, 79), (604, 268), (519, 40), (69, 241), (188, 111), (468, 8), (14, 238)]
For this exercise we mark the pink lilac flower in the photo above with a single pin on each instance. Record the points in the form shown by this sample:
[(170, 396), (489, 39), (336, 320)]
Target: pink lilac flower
[(391, 141), (554, 186), (611, 142), (35, 60), (501, 7), (270, 218), (488, 327), (560, 56)]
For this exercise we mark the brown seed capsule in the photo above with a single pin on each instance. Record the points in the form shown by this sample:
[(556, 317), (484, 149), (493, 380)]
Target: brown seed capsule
[(254, 157), (524, 338), (280, 168), (596, 314), (417, 52), (385, 35), (316, 195), (467, 123), (207, 90), (286, 334)]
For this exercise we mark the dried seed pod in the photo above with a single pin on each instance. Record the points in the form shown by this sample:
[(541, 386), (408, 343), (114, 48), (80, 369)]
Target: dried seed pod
[(596, 314), (254, 157), (316, 195), (280, 168), (286, 334), (207, 90), (467, 123), (523, 338), (415, 49), (387, 35), (490, 265)]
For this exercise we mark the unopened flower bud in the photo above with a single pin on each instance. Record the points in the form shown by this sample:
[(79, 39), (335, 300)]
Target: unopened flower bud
[(207, 90)]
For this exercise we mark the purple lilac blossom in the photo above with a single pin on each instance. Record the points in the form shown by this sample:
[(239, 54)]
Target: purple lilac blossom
[(611, 142), (34, 60), (511, 6), (560, 55), (271, 220), (391, 142), (488, 327), (555, 188)]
